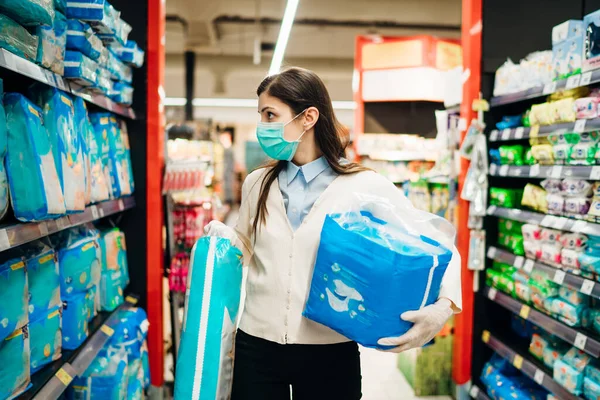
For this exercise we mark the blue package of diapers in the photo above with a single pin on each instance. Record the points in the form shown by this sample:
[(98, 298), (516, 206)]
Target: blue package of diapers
[(74, 320), (14, 296), (105, 379), (85, 10), (93, 300), (52, 42), (43, 280), (81, 38), (371, 267), (114, 269), (29, 12), (59, 117), (14, 353), (82, 125), (79, 264), (45, 339), (130, 53), (35, 189), (80, 69), (205, 363), (123, 93), (127, 147), (130, 332), (102, 126), (146, 364), (3, 150)]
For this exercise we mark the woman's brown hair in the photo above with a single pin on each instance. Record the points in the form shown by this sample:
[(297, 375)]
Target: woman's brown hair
[(300, 89)]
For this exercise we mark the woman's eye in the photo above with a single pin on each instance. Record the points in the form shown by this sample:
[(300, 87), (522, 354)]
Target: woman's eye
[(270, 115)]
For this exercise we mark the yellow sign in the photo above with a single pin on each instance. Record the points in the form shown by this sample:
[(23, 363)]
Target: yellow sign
[(64, 377), (34, 111), (46, 259), (524, 312), (107, 330), (518, 361), (131, 300), (480, 105), (486, 336), (17, 266)]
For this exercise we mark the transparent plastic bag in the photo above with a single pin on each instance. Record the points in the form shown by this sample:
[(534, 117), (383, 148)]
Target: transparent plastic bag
[(29, 12), (375, 261), (17, 40)]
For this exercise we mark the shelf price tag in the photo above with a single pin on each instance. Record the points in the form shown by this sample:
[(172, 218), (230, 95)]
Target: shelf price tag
[(549, 88), (595, 173), (579, 126), (506, 134), (528, 266), (539, 376), (534, 170), (4, 241), (493, 169), (492, 292), (121, 205), (491, 253), (587, 287), (559, 223), (547, 221), (580, 341), (519, 132), (107, 330), (556, 172), (503, 170), (43, 227), (559, 277), (518, 361), (491, 210), (494, 136), (131, 300), (579, 226), (94, 212), (586, 78), (524, 313), (485, 337), (518, 263), (64, 377), (101, 212), (474, 392), (573, 81)]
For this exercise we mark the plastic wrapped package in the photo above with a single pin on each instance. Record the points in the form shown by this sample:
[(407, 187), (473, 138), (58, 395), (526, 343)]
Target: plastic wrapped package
[(573, 296), (74, 320), (574, 241), (14, 297), (587, 107), (3, 150), (531, 232), (124, 93), (570, 258), (543, 153), (105, 84), (29, 12), (511, 155), (145, 364), (105, 379), (592, 371), (99, 189), (538, 345), (14, 353), (205, 362), (535, 197), (61, 6), (43, 280), (366, 254), (553, 352), (45, 339), (567, 313), (130, 332), (80, 266), (17, 40), (589, 262), (35, 189), (52, 42), (80, 69), (86, 10), (93, 301), (101, 126), (569, 377), (509, 198), (59, 118), (591, 389), (135, 386), (82, 129), (130, 53), (127, 147), (81, 38), (113, 281)]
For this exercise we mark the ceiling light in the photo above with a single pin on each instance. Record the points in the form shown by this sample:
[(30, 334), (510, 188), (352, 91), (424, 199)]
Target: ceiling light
[(284, 35), (240, 103)]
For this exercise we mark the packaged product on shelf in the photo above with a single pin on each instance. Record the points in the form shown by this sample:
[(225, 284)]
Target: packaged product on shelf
[(543, 154), (118, 35), (45, 339), (106, 25), (576, 187), (531, 232), (511, 155), (574, 241), (105, 84), (14, 352), (503, 282), (534, 70), (523, 292), (131, 329), (567, 313), (105, 378), (535, 197), (587, 107), (51, 44), (503, 381), (135, 386), (509, 121), (145, 364), (14, 296), (82, 129), (127, 147), (43, 279), (17, 40), (495, 156), (74, 320), (3, 151), (591, 54), (112, 281), (553, 352), (80, 69), (124, 93), (591, 389), (573, 296), (569, 377), (589, 261), (99, 186), (584, 149), (29, 12), (81, 38), (93, 302), (61, 6), (79, 262), (567, 29), (118, 70), (529, 158), (205, 361), (537, 346), (570, 258), (577, 358), (567, 57), (131, 54), (533, 249), (556, 204), (512, 242), (575, 206), (509, 198), (592, 371), (86, 10), (59, 116), (509, 226), (551, 254), (551, 236), (540, 293)]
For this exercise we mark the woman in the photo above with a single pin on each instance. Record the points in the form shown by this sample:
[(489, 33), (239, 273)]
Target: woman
[(282, 212)]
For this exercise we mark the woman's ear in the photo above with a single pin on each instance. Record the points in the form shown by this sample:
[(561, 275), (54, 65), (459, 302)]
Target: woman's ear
[(311, 116)]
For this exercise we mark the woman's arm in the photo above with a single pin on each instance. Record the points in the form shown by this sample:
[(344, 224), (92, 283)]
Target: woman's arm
[(243, 226)]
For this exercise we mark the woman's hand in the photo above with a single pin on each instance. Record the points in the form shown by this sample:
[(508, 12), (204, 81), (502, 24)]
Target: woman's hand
[(427, 323), (219, 229)]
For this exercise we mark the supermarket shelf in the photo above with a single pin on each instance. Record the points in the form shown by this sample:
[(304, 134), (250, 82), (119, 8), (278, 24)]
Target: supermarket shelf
[(582, 125), (399, 155), (477, 393), (548, 221), (19, 234), (26, 68), (52, 380), (574, 282), (546, 171), (584, 79), (570, 335), (541, 375)]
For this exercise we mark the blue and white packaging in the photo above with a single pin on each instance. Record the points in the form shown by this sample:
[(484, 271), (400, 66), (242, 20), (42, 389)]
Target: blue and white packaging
[(123, 94), (567, 29), (145, 364), (14, 353), (35, 189), (45, 339), (591, 29), (29, 12), (80, 69), (372, 266), (93, 300), (205, 364), (114, 269), (14, 297), (81, 37), (105, 84), (568, 376), (130, 53), (43, 280), (81, 123), (52, 44), (59, 118), (127, 147), (135, 386), (79, 263), (86, 10), (3, 150), (130, 332), (105, 379), (74, 320)]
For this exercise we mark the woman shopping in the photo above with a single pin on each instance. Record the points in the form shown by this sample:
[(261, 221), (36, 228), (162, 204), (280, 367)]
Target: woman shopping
[(283, 209)]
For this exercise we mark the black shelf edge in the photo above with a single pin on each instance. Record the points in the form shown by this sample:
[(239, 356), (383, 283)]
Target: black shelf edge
[(33, 71), (524, 133), (21, 233), (477, 393), (547, 221), (52, 380), (579, 283), (583, 79), (542, 376), (573, 336), (546, 171)]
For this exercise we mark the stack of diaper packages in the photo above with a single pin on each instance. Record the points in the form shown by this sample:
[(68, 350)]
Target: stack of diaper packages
[(547, 348), (115, 274), (570, 370), (503, 381)]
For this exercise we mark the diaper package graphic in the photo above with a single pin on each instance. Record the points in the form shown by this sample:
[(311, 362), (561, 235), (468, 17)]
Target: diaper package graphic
[(372, 266)]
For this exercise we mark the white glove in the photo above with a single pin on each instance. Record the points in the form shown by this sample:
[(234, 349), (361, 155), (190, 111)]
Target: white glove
[(219, 229), (428, 321)]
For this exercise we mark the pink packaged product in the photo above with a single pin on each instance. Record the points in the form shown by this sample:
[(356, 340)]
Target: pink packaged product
[(531, 232), (587, 107), (551, 254), (577, 205), (551, 236), (570, 258), (533, 249), (574, 241), (556, 204)]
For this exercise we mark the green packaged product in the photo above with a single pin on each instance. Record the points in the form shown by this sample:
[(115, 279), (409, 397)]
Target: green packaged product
[(511, 155), (29, 12), (500, 281), (503, 268), (509, 226), (509, 198), (529, 158), (512, 242), (541, 294), (17, 40)]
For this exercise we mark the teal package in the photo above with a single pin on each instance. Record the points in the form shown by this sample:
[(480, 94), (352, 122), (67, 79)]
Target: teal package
[(591, 389), (81, 122), (113, 281), (79, 266), (60, 5), (80, 69), (93, 301), (3, 150), (14, 353), (592, 371), (135, 387), (14, 297), (105, 378), (568, 377), (52, 42), (146, 364), (130, 331), (114, 254), (101, 125), (17, 40), (111, 292), (127, 146), (29, 12), (123, 94), (45, 339), (573, 297), (205, 364), (589, 262), (44, 282), (59, 120), (74, 321), (35, 189), (122, 257)]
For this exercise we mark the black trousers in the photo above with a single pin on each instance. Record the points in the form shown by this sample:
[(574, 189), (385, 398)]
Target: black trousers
[(265, 371)]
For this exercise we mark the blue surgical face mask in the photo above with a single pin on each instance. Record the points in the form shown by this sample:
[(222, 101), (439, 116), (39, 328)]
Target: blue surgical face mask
[(271, 139)]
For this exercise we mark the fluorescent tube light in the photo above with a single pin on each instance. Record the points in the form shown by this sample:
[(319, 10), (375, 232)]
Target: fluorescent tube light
[(284, 35), (239, 103)]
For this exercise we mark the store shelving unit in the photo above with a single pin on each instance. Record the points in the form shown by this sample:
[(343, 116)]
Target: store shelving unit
[(545, 220), (546, 171)]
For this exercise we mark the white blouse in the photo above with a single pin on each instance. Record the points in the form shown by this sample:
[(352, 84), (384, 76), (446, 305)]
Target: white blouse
[(281, 260)]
